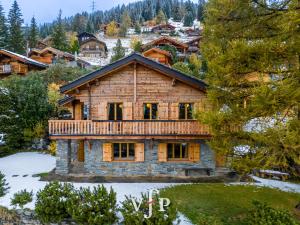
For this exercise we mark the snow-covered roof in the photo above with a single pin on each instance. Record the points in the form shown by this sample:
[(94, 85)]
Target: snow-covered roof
[(23, 58)]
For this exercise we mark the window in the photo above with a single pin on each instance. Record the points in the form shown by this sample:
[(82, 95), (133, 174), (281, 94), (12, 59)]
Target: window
[(85, 111), (185, 111), (150, 111), (115, 111), (123, 151), (177, 151)]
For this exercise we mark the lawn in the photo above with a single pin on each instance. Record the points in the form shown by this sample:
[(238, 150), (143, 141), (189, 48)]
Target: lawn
[(227, 203)]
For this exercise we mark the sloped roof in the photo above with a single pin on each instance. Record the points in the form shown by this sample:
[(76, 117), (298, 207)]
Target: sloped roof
[(135, 57), (167, 39), (23, 58), (94, 39), (54, 51), (193, 40), (164, 52), (86, 34)]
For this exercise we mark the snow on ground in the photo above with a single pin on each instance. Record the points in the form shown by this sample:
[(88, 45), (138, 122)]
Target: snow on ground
[(284, 186), (19, 168)]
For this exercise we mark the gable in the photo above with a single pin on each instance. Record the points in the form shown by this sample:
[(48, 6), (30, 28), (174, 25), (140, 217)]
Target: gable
[(134, 59), (151, 86)]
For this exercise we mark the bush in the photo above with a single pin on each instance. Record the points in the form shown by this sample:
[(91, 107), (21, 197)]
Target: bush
[(133, 217), (52, 148), (266, 215), (51, 203), (94, 207), (3, 185), (22, 198)]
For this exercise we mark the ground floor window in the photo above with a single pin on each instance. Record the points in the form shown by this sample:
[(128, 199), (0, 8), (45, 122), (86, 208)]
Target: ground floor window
[(123, 151), (177, 151)]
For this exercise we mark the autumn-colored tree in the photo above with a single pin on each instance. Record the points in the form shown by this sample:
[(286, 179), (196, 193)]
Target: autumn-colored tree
[(112, 29)]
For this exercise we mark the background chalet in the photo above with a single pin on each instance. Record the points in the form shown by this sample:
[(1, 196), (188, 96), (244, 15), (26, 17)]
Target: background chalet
[(134, 117)]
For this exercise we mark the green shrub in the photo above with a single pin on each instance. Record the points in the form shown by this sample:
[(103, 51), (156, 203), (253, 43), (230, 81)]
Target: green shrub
[(21, 198), (96, 207), (51, 203), (266, 215), (3, 185), (133, 217)]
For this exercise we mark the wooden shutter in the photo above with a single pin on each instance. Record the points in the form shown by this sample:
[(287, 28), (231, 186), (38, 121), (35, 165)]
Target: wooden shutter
[(138, 111), (194, 152), (163, 109), (174, 111), (103, 111), (139, 152), (78, 111), (162, 152), (127, 111), (107, 152)]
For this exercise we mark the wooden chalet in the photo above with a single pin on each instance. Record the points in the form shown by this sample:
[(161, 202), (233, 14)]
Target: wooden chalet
[(159, 55), (41, 45), (163, 28), (165, 41), (50, 55), (93, 48), (13, 63), (194, 45), (134, 118), (84, 36), (193, 32)]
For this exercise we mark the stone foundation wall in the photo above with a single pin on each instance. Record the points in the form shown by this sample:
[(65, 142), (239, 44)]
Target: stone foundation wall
[(150, 167)]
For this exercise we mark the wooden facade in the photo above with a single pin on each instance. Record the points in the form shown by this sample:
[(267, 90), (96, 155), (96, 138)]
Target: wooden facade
[(194, 45), (13, 63), (163, 28), (50, 55), (159, 55), (93, 47), (166, 41), (127, 105)]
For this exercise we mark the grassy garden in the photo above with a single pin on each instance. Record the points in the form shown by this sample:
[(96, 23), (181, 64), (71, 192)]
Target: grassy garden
[(224, 204)]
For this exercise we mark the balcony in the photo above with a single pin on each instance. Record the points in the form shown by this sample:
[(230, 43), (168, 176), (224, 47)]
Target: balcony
[(129, 128)]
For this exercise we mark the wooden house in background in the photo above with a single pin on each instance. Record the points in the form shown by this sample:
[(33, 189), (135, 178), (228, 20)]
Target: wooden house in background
[(163, 29), (159, 55), (134, 118), (84, 36), (194, 45), (93, 48), (166, 41), (13, 63), (41, 45), (50, 55)]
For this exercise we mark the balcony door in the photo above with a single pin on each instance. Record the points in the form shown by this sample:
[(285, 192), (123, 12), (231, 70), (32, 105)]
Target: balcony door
[(115, 111)]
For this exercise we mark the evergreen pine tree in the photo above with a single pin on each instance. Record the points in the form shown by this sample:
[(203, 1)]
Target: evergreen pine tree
[(254, 117), (16, 41), (188, 19), (125, 24), (161, 17), (59, 34), (118, 51), (137, 28), (200, 10), (3, 29), (33, 34)]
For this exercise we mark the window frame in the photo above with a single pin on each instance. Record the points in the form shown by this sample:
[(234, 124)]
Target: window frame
[(185, 111), (181, 152), (151, 107), (115, 110), (120, 158)]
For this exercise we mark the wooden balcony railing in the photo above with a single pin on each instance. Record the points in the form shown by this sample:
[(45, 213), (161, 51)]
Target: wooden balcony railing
[(127, 128)]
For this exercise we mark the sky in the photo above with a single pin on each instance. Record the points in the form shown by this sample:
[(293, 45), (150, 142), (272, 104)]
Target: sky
[(47, 10)]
